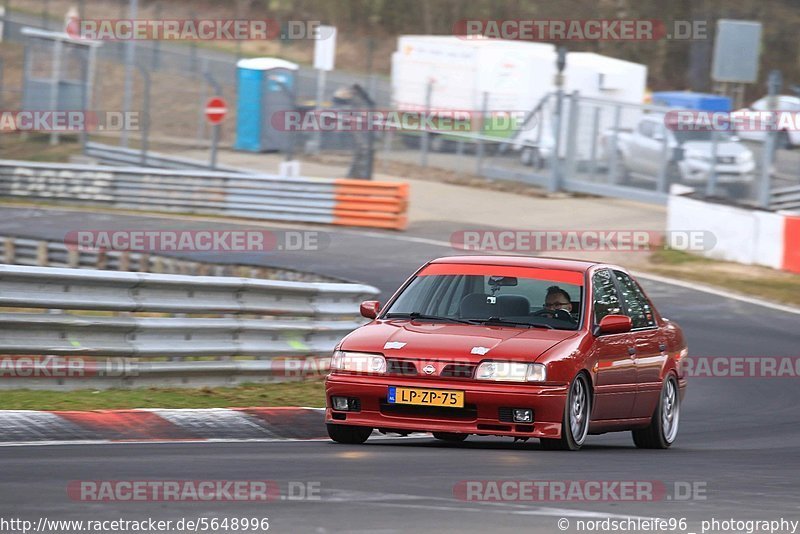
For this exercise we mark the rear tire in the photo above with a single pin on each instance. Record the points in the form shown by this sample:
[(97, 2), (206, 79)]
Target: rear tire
[(663, 428), (450, 436), (351, 435), (575, 422)]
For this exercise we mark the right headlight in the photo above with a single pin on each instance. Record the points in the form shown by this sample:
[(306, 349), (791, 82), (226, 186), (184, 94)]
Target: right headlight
[(358, 362), (511, 372)]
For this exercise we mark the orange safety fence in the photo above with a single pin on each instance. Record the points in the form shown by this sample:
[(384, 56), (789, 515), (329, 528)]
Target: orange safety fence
[(372, 204)]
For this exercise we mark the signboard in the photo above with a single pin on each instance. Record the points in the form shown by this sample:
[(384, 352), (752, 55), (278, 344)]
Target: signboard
[(324, 47), (216, 109), (737, 47)]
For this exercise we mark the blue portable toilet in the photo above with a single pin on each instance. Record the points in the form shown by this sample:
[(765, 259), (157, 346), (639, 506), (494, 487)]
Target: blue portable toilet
[(266, 86), (692, 100)]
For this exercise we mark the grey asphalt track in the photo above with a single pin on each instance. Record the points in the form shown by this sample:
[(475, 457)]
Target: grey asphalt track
[(739, 438)]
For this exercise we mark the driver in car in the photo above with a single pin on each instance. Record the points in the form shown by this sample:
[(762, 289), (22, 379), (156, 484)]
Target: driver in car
[(557, 299)]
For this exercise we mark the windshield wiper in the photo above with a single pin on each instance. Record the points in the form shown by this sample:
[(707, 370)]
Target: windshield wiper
[(418, 315), (501, 321)]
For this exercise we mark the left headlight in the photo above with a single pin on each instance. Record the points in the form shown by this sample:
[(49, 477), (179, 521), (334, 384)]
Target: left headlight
[(511, 372), (358, 362)]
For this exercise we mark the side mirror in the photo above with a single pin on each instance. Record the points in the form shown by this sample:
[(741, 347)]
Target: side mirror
[(614, 324), (370, 309)]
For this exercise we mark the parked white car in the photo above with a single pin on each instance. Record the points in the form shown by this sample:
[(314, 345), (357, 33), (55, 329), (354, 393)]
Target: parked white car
[(640, 154), (786, 138)]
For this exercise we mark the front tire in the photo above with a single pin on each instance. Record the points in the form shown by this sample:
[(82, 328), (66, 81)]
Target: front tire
[(351, 435), (575, 422), (663, 428)]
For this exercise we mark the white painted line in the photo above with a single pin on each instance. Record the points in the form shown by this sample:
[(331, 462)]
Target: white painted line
[(194, 441), (718, 292), (549, 512)]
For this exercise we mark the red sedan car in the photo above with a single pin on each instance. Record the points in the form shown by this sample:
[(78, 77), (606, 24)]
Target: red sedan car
[(511, 346)]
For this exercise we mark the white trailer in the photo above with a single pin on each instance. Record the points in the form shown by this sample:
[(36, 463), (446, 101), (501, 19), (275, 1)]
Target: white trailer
[(513, 76)]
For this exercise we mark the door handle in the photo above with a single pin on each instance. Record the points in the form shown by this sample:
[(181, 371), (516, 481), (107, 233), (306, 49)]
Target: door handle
[(662, 347), (632, 351)]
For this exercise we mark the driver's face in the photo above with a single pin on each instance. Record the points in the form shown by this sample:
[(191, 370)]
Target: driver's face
[(558, 302)]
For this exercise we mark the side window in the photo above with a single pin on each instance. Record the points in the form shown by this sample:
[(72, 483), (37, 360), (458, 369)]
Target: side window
[(605, 299), (636, 305)]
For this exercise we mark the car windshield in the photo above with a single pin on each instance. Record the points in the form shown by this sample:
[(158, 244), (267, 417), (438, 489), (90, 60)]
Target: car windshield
[(512, 297)]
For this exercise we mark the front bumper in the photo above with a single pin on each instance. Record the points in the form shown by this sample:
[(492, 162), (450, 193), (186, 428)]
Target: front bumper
[(481, 414)]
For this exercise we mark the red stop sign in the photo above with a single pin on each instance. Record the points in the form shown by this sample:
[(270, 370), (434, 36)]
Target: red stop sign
[(216, 108)]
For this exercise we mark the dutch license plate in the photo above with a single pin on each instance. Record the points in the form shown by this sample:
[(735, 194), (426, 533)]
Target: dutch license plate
[(426, 397)]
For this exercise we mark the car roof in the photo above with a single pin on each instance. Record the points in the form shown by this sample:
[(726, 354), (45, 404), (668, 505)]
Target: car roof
[(521, 261)]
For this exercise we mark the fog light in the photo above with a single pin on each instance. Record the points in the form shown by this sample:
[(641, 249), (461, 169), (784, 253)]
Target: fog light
[(523, 415), (339, 403)]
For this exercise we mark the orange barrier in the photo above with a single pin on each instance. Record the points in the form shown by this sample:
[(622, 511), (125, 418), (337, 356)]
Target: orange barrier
[(373, 204), (791, 244)]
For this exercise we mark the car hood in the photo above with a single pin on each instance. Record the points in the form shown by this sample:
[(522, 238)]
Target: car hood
[(447, 341), (724, 148)]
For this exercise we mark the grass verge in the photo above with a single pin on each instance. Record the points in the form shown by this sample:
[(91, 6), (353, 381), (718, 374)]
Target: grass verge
[(306, 393), (36, 147), (750, 280)]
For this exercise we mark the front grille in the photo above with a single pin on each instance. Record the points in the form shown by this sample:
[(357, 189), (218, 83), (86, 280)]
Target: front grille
[(401, 367), (458, 370), (468, 413), (505, 415)]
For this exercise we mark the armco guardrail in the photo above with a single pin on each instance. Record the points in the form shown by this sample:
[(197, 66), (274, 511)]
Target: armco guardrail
[(167, 317), (785, 198), (317, 200), (117, 155), (42, 253)]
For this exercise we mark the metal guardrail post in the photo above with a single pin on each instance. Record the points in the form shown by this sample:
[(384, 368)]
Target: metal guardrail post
[(774, 83), (215, 129), (572, 135), (613, 155), (130, 63), (555, 161), (596, 137), (55, 76), (145, 122), (666, 157), (156, 55), (481, 148), (426, 135), (711, 184)]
